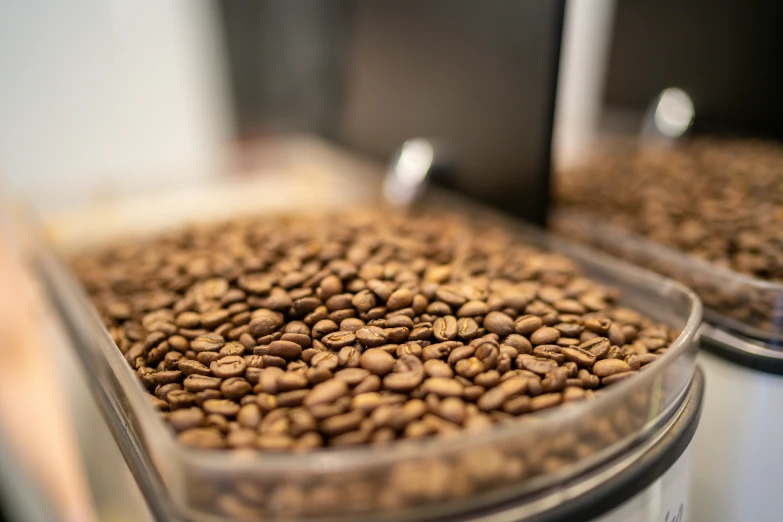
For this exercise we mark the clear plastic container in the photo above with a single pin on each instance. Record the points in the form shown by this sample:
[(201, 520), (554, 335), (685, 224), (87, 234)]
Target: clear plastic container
[(739, 303), (411, 479)]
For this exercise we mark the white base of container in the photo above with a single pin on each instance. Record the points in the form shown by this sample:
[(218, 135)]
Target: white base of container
[(738, 452)]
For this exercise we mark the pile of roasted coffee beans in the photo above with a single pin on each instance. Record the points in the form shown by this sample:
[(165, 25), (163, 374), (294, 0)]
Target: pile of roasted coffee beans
[(295, 332), (717, 199)]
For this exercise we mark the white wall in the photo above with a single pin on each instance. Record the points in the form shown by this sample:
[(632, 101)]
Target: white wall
[(105, 97), (584, 62)]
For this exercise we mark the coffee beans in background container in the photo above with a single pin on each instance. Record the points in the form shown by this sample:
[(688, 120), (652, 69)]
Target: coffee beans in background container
[(717, 201)]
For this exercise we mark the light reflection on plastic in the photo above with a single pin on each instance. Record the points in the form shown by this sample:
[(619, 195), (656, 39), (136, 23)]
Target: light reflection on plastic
[(674, 113), (406, 176)]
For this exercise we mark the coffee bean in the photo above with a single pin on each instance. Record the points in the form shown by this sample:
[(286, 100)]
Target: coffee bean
[(197, 383), (326, 360), (438, 368), (399, 299), (178, 399), (324, 327), (460, 353), (487, 379), (537, 365), (249, 416), (527, 324), (339, 339), (450, 295), (232, 348), (202, 438), (352, 376), (326, 392), (403, 381), (442, 387), (302, 340), (544, 335), (372, 336), (473, 308), (185, 419), (550, 351), (231, 366), (235, 388), (545, 401), (579, 356), (499, 323), (377, 361), (291, 398), (369, 384), (349, 357), (221, 407), (342, 423), (435, 351), (287, 350), (608, 367), (352, 324), (291, 381), (207, 342)]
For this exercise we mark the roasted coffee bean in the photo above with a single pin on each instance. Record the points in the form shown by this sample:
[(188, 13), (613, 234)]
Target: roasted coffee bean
[(291, 381), (377, 361), (232, 348), (411, 348), (473, 309), (235, 388), (352, 376), (197, 383), (421, 332), (349, 357), (438, 368), (442, 387), (499, 323), (544, 335), (326, 392), (337, 340), (249, 416), (352, 324), (608, 367), (185, 419), (467, 328), (221, 407), (445, 328), (399, 299), (372, 336), (550, 351), (403, 381), (537, 365), (469, 368), (208, 342), (589, 381), (581, 357), (527, 324), (202, 438), (231, 366), (324, 327), (179, 399), (598, 346), (287, 350)]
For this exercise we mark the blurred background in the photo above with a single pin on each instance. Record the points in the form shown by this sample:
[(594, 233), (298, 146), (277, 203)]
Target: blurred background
[(101, 100)]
